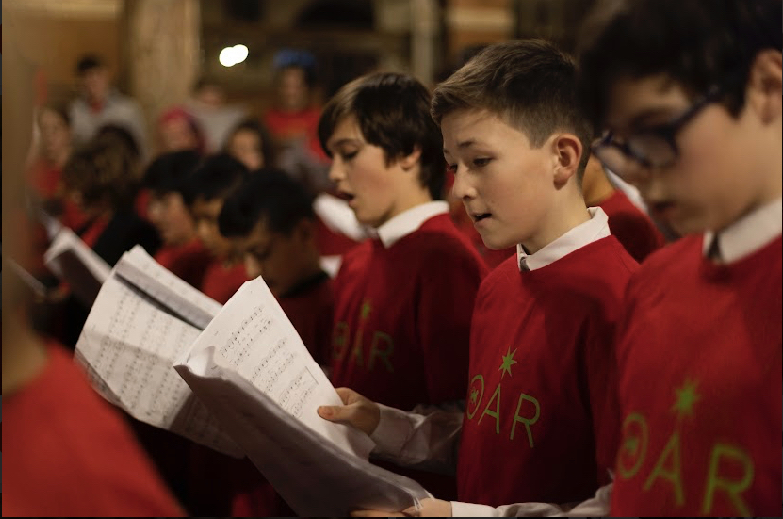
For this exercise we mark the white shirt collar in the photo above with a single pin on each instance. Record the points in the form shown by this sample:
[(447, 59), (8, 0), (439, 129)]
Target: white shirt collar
[(409, 221), (581, 235), (748, 234)]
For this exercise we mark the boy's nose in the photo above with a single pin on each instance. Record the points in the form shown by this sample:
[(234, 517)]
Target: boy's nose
[(337, 170), (252, 267), (462, 188)]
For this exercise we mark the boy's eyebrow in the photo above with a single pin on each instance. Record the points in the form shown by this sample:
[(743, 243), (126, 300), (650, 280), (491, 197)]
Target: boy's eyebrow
[(462, 145), (344, 140), (650, 113), (466, 144)]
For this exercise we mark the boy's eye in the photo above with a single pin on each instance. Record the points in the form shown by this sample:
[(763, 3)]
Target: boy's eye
[(481, 162), (451, 168), (261, 255), (348, 155)]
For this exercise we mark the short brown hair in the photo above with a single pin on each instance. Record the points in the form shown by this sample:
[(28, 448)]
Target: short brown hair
[(102, 170), (392, 111), (697, 43), (530, 84)]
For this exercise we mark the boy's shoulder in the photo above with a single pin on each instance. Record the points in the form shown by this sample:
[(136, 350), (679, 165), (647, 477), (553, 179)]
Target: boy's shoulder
[(676, 256), (599, 270)]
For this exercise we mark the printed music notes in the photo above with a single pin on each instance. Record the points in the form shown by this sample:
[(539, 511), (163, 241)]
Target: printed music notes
[(251, 369), (128, 346)]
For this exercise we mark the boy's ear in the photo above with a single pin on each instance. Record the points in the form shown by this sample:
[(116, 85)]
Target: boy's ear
[(567, 150), (411, 160), (765, 85)]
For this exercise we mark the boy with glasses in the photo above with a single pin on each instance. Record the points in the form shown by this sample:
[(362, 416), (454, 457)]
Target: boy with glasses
[(689, 95)]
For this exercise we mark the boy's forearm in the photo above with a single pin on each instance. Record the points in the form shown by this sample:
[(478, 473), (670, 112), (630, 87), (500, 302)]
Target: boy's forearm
[(427, 440)]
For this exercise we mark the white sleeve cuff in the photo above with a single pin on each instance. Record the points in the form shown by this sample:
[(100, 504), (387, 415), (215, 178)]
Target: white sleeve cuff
[(393, 431), (472, 510)]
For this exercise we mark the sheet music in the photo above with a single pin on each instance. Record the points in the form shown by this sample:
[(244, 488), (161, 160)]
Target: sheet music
[(127, 347), (138, 267), (255, 339), (72, 261), (338, 216), (251, 369)]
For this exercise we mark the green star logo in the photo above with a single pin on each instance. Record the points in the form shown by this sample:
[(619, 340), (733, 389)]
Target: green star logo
[(474, 396), (508, 361), (686, 398), (366, 309)]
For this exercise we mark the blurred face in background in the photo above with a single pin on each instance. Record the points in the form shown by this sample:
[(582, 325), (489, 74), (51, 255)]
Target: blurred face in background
[(293, 90), (170, 216), (278, 258), (176, 134), (55, 136), (95, 84), (205, 215), (245, 146)]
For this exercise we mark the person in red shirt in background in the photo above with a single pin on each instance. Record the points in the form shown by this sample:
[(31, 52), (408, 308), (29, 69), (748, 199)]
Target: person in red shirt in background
[(403, 298), (44, 179), (537, 424), (66, 451), (694, 122), (272, 223), (293, 121), (206, 190), (182, 252), (632, 228)]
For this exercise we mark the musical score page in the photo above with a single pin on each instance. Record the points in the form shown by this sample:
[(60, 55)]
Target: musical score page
[(128, 346), (251, 369)]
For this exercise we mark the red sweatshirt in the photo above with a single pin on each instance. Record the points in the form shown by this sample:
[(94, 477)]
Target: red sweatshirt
[(403, 316), (540, 363), (632, 228), (221, 283), (699, 355), (69, 453), (188, 262)]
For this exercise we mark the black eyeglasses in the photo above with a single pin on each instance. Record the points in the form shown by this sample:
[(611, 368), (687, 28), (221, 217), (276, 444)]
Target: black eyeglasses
[(654, 147)]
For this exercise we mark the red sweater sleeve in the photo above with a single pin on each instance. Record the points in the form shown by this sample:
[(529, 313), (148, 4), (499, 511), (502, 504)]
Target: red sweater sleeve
[(68, 452)]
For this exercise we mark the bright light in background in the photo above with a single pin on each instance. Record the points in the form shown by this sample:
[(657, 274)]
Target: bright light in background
[(230, 56)]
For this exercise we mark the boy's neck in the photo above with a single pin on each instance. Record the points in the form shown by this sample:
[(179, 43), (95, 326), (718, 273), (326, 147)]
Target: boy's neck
[(408, 201), (598, 190), (566, 214)]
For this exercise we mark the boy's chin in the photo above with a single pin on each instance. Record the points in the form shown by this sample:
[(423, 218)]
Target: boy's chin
[(497, 242)]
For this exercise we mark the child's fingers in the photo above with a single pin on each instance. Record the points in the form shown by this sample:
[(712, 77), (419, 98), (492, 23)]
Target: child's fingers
[(345, 394)]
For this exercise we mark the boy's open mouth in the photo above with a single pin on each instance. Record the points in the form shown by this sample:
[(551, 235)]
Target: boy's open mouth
[(480, 216)]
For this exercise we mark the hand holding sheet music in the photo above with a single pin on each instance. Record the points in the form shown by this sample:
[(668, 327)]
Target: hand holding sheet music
[(252, 370)]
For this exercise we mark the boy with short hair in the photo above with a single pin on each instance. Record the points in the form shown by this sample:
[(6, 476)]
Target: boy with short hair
[(207, 188), (694, 122), (272, 224), (403, 299), (540, 356), (182, 252)]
